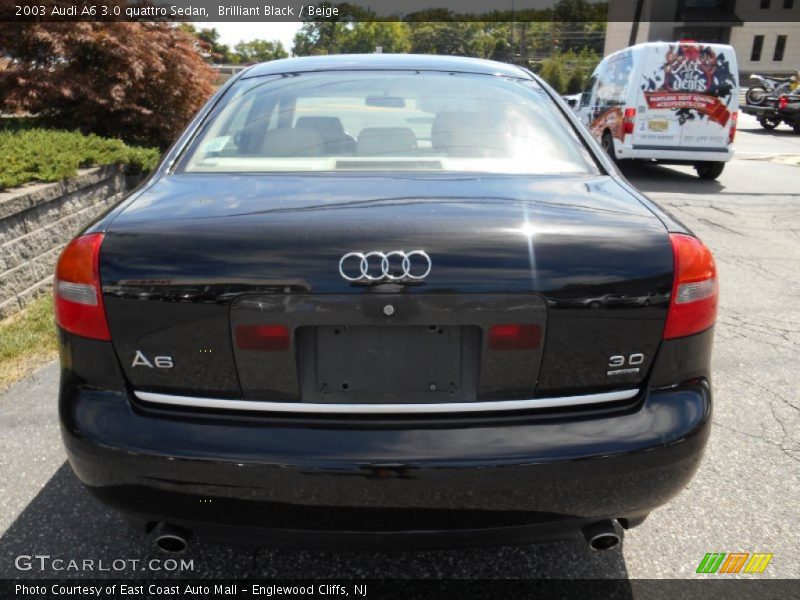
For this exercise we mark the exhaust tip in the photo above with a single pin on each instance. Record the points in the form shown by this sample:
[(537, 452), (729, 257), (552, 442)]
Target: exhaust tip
[(601, 535), (172, 539), (171, 544), (603, 542)]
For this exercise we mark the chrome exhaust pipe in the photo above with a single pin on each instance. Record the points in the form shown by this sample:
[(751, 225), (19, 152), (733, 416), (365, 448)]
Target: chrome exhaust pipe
[(601, 535), (171, 538)]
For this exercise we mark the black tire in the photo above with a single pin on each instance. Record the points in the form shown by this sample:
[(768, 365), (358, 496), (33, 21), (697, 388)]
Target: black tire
[(769, 123), (796, 125), (756, 94), (607, 142), (709, 170)]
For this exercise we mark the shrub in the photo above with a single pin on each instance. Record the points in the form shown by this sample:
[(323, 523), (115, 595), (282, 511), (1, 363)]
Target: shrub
[(141, 82), (46, 155), (575, 82), (553, 73)]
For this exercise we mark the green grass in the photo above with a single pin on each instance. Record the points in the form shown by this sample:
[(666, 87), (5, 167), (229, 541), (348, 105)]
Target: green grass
[(26, 340), (36, 154)]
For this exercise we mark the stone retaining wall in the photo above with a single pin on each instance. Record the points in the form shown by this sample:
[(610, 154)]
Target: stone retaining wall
[(37, 220)]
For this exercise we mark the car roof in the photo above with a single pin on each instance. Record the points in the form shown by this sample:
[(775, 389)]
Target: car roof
[(660, 45), (387, 62)]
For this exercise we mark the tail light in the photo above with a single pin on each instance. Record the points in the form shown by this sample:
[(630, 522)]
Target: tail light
[(269, 338), (693, 305), (514, 336), (628, 121), (732, 130), (78, 298), (783, 101)]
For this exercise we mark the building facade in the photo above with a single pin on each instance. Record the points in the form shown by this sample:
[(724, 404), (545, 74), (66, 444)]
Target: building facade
[(764, 33)]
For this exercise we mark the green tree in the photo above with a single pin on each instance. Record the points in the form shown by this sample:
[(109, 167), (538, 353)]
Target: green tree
[(328, 37), (260, 51), (502, 50), (365, 37), (317, 37), (534, 41), (207, 41), (438, 32), (553, 73), (432, 15), (455, 38), (575, 82), (575, 25)]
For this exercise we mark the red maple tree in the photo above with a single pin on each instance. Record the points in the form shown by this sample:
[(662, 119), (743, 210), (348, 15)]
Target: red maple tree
[(141, 82)]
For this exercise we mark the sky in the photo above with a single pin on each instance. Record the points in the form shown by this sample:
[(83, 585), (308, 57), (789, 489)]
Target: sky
[(233, 33)]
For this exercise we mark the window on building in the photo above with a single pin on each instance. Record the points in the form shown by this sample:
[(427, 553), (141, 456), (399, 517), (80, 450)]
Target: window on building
[(758, 44), (780, 46), (764, 4), (788, 3)]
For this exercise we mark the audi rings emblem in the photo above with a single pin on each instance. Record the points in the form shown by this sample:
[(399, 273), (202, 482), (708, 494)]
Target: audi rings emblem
[(385, 266)]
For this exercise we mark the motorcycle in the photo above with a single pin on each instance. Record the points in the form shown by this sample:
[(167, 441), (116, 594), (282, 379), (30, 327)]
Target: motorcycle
[(769, 86)]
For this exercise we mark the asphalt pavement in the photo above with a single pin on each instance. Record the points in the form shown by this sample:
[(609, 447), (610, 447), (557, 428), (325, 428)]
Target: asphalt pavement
[(745, 497)]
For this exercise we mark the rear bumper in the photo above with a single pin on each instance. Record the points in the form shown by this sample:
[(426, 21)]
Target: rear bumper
[(666, 154), (289, 482), (759, 111)]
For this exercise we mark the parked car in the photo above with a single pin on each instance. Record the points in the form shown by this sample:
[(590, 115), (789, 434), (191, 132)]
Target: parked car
[(674, 103), (572, 100), (789, 110), (378, 240), (776, 110)]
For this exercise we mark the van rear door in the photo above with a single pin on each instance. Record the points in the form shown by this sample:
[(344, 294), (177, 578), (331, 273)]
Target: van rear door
[(656, 126), (689, 96)]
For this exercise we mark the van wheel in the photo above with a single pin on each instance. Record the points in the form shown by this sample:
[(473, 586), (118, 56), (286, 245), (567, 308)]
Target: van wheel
[(607, 142), (709, 170)]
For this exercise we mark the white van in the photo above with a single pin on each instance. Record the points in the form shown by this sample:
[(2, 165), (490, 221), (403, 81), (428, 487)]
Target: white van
[(673, 102)]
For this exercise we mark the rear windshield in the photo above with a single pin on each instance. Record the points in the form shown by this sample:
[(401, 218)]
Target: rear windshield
[(388, 121)]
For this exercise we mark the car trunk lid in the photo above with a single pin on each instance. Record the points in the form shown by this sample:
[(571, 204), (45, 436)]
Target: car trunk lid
[(195, 257)]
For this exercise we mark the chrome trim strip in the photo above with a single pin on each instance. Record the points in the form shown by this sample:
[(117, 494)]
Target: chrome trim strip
[(681, 148), (385, 409)]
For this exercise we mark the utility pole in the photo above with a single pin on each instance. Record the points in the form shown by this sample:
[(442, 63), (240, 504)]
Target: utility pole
[(513, 25), (637, 17)]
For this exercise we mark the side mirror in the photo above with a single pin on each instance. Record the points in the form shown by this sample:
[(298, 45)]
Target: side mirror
[(572, 102)]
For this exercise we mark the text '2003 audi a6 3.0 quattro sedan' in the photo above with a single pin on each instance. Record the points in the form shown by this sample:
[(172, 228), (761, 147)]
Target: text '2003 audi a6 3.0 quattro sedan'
[(377, 299)]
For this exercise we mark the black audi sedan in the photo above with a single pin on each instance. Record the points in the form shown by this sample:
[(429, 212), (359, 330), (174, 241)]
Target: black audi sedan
[(374, 300)]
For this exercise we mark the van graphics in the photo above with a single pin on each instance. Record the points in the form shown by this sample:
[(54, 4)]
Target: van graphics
[(713, 108), (607, 120), (609, 96), (695, 82)]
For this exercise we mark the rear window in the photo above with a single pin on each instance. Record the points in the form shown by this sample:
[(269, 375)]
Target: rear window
[(388, 121), (613, 76)]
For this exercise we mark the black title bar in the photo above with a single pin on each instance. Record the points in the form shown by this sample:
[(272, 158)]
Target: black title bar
[(406, 589), (391, 10)]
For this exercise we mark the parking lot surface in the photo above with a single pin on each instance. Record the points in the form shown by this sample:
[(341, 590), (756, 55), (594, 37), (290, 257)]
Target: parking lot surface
[(744, 498)]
